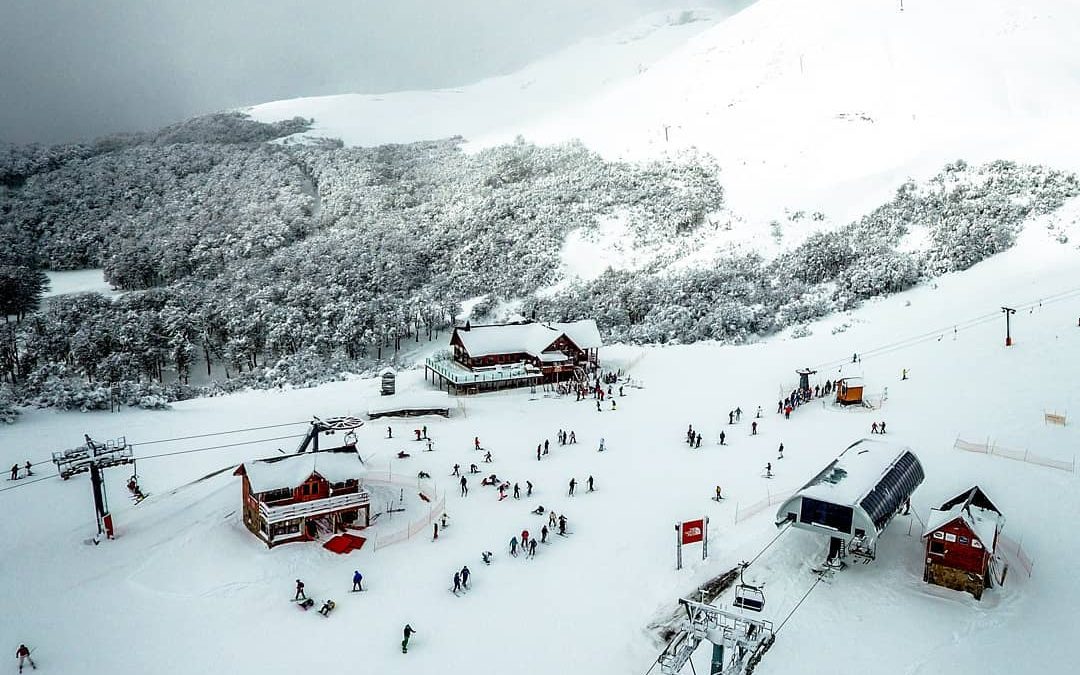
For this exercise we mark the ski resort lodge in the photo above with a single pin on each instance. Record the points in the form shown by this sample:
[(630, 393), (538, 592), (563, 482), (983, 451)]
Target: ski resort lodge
[(961, 539), (293, 497), (515, 355), (853, 498)]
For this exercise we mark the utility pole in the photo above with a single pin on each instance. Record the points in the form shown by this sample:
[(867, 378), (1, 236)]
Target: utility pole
[(1008, 335)]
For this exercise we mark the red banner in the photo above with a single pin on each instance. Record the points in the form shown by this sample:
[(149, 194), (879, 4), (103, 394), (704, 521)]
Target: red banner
[(693, 531)]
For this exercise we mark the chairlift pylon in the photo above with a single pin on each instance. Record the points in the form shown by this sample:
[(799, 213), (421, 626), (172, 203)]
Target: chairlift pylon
[(748, 596)]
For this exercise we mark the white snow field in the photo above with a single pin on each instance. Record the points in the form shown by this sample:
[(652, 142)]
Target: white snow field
[(818, 105), (185, 588)]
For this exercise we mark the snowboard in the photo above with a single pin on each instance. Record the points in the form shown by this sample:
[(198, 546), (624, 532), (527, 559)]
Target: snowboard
[(304, 603)]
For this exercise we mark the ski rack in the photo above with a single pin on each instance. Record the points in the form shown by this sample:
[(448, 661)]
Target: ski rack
[(78, 460), (739, 635)]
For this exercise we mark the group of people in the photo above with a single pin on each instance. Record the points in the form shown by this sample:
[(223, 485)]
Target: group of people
[(878, 427), (693, 438), (461, 580), (15, 471), (573, 485)]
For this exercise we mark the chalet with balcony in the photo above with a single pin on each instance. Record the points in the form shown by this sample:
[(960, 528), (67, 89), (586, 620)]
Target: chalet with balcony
[(295, 497), (517, 354)]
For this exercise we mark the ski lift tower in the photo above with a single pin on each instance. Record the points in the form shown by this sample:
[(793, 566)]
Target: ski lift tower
[(736, 639), (93, 457), (330, 426)]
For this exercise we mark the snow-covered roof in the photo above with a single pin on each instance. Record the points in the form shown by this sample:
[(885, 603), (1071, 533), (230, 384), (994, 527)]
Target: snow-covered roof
[(856, 472), (983, 522), (852, 381), (526, 338), (292, 470), (553, 357), (411, 400), (583, 333)]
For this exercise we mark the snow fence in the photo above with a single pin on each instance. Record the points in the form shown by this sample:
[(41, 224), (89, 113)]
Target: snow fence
[(428, 492)]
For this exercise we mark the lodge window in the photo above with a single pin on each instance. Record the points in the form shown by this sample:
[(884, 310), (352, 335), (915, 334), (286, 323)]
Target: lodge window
[(976, 543), (287, 527), (305, 490), (950, 537), (937, 547), (275, 495), (939, 535), (964, 540)]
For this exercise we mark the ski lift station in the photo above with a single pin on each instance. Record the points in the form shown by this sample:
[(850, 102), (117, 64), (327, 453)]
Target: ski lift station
[(853, 499)]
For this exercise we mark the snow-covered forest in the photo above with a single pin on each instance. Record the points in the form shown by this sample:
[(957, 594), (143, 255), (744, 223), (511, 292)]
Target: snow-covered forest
[(278, 262)]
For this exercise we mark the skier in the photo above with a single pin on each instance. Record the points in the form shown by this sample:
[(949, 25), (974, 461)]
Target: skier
[(417, 432), (27, 467), (601, 448), (597, 405), (538, 511), (14, 472), (781, 451), (502, 491), (562, 525), (731, 417), (356, 579), (476, 442), (487, 457), (768, 470), (425, 431), (689, 433), (442, 520), (620, 391), (573, 484), (407, 632), (613, 404), (528, 488), (738, 414), (473, 469), (759, 412), (524, 538), (465, 577), (573, 438), (457, 582), (429, 448), (543, 534), (697, 441), (517, 491), (23, 653), (753, 429), (465, 486), (435, 532), (457, 470), (327, 607), (873, 428), (881, 427), (513, 546), (532, 548), (779, 407), (718, 495), (299, 590), (547, 444), (486, 557), (590, 481), (538, 453), (551, 519), (389, 432), (722, 436)]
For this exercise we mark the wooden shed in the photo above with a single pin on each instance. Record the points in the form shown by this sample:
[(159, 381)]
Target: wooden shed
[(849, 391), (961, 538)]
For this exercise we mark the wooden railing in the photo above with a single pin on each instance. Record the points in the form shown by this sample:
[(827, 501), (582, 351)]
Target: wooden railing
[(314, 507)]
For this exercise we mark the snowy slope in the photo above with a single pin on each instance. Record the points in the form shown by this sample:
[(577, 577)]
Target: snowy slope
[(816, 105), (186, 589)]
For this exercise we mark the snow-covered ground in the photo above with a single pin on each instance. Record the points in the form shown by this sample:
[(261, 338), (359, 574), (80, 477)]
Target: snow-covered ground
[(79, 281), (185, 588)]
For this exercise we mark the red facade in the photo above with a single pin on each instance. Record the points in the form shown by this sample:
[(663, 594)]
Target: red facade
[(955, 545)]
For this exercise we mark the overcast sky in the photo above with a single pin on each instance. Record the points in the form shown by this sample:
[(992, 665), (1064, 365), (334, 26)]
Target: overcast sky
[(76, 69)]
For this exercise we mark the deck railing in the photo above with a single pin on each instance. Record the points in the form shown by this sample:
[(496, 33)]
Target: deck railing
[(315, 507)]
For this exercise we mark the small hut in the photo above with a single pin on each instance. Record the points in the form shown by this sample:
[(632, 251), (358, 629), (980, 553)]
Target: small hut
[(389, 378), (961, 538), (849, 391)]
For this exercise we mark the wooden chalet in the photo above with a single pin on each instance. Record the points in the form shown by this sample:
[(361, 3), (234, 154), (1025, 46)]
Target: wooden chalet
[(294, 497), (517, 354), (961, 539)]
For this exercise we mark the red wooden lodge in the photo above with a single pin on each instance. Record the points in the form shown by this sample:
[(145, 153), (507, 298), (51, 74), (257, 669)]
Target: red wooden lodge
[(961, 538), (517, 354), (294, 497)]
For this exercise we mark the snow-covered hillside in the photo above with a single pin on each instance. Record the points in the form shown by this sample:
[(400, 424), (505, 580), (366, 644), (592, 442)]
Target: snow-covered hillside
[(185, 588), (817, 105)]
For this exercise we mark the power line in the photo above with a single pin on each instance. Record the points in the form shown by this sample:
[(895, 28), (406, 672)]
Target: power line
[(799, 603), (220, 433), (24, 483)]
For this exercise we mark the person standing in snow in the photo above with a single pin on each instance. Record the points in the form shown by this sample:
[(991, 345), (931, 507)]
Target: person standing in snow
[(753, 428), (613, 406), (465, 486), (731, 417), (299, 591), (573, 438), (597, 405), (697, 441), (538, 453), (528, 488), (407, 633), (758, 412), (590, 482), (781, 451), (465, 577), (738, 414), (562, 525), (389, 432), (718, 495), (457, 582), (513, 546), (547, 444), (573, 484), (601, 448), (23, 654), (543, 534), (476, 442), (456, 471), (532, 548), (881, 427), (621, 391), (517, 491), (551, 519), (873, 428), (524, 538), (435, 531), (722, 436), (768, 470), (356, 579), (487, 457), (14, 472)]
